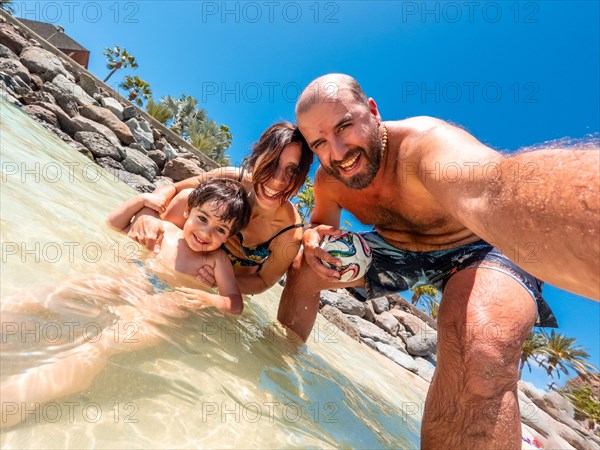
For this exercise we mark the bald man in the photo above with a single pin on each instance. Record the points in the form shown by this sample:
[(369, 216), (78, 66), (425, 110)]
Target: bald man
[(446, 211)]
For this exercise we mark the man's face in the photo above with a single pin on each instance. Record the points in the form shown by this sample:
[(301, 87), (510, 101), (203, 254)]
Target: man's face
[(344, 134)]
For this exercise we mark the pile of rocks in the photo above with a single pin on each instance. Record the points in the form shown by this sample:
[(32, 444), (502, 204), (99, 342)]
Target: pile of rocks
[(389, 325), (89, 116)]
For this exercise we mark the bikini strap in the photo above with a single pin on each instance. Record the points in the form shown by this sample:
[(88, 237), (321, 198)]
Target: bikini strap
[(296, 225)]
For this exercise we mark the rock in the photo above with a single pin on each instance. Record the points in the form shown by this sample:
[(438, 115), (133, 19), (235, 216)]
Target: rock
[(82, 149), (137, 182), (156, 135), (63, 99), (426, 369), (369, 311), (371, 331), (88, 84), (108, 118), (99, 145), (158, 157), (109, 163), (6, 94), (90, 125), (41, 113), (66, 123), (421, 345), (137, 162), (38, 97), (13, 67), (170, 152), (138, 147), (412, 323), (179, 169), (10, 86), (161, 181), (41, 61), (113, 105), (339, 320), (141, 132), (81, 97), (7, 53), (370, 342), (57, 131), (129, 112), (387, 322), (380, 304), (344, 302), (37, 81), (402, 359), (12, 39)]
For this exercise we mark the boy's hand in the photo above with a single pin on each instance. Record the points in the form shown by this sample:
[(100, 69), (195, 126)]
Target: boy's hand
[(148, 231), (191, 299), (206, 275)]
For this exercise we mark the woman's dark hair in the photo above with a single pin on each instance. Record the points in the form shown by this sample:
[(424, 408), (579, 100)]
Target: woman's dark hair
[(269, 147), (230, 199)]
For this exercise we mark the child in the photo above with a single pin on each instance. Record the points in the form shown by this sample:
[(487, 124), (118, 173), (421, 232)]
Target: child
[(217, 209)]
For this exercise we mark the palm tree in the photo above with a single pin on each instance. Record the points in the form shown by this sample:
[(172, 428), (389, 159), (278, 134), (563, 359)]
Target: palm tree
[(429, 296), (560, 355), (118, 59), (184, 112), (306, 200), (7, 5), (159, 111), (532, 347), (138, 89), (210, 139)]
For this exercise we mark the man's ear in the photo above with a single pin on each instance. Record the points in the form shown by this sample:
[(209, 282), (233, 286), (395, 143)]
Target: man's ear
[(373, 109)]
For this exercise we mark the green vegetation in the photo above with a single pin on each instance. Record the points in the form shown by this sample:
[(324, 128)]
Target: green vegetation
[(584, 394), (118, 59), (138, 89), (158, 110), (429, 297), (306, 200)]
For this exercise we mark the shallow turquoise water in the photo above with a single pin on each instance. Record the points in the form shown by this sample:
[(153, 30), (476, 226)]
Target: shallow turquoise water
[(208, 381)]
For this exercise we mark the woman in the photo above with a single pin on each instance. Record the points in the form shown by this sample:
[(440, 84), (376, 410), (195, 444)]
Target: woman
[(264, 250)]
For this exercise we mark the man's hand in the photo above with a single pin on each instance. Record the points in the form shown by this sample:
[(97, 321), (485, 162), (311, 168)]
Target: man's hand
[(314, 254), (148, 231)]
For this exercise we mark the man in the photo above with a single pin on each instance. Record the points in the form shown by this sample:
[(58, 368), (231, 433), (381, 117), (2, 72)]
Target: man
[(433, 193)]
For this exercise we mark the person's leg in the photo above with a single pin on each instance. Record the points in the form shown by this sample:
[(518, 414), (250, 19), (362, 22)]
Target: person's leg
[(484, 318), (299, 302)]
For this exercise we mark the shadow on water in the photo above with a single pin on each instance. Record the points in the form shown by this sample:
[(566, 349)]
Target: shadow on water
[(71, 298)]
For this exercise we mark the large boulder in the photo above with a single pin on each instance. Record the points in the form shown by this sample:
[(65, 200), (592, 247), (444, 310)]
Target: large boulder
[(371, 331), (41, 61), (88, 84), (63, 99), (41, 113), (142, 133), (421, 345), (402, 359), (158, 157), (344, 302), (81, 97), (113, 105), (7, 53), (14, 68), (179, 169), (412, 323), (12, 39), (99, 145), (66, 123), (108, 118), (387, 322), (90, 125), (137, 182), (426, 369), (137, 162), (380, 304), (338, 319), (38, 97)]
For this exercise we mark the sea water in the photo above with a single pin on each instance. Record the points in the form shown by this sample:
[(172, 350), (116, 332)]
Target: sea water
[(208, 381)]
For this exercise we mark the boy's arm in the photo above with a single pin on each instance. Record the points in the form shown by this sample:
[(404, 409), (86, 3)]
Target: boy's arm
[(229, 299), (120, 218)]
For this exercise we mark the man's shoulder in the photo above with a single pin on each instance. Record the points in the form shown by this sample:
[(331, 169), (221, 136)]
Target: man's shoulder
[(417, 124)]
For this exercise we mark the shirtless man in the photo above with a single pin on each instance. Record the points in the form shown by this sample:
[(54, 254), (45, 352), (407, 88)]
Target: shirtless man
[(437, 197)]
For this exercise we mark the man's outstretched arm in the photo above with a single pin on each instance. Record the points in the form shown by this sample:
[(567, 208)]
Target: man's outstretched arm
[(540, 208)]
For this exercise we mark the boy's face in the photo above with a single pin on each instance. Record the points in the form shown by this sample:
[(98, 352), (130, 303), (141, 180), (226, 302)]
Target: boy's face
[(204, 230)]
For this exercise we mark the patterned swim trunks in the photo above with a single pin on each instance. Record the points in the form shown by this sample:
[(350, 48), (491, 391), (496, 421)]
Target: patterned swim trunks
[(395, 270)]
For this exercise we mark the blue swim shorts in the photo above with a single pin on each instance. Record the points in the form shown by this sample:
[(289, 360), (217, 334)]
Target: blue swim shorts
[(395, 270)]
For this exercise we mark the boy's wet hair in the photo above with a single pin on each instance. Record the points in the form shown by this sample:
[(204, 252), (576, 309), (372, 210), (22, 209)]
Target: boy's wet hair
[(230, 199), (270, 146)]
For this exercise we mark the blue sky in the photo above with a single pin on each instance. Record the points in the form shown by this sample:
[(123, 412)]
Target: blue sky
[(512, 73)]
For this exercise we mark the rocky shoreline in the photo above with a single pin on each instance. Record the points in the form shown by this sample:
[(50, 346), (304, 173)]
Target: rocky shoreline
[(98, 122)]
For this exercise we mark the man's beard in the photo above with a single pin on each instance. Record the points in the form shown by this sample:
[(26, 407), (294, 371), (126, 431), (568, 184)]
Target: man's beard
[(372, 158)]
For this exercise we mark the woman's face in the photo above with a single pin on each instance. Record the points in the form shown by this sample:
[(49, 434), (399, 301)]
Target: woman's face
[(269, 194)]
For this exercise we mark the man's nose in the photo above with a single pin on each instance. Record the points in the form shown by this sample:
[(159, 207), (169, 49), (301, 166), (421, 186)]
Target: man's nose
[(339, 149)]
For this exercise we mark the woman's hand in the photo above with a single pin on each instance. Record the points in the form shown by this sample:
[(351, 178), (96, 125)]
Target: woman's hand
[(314, 254)]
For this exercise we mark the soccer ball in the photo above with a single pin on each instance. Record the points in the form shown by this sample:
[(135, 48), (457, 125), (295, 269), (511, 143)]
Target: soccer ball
[(352, 250)]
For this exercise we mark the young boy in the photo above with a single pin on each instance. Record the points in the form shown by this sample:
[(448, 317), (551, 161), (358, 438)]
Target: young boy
[(217, 209)]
